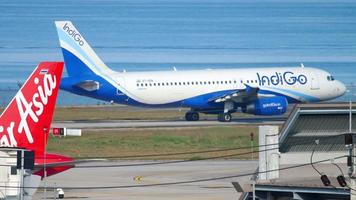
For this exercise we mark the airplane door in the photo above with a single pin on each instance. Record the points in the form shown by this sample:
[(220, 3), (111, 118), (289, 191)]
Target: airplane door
[(314, 82)]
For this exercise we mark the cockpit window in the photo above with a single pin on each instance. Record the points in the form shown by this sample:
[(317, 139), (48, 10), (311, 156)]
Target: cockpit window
[(330, 78)]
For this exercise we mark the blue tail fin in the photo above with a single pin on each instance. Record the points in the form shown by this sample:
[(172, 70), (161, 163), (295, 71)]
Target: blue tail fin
[(80, 59)]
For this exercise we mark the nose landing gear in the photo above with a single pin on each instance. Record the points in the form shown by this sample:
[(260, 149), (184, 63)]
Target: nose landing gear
[(226, 116)]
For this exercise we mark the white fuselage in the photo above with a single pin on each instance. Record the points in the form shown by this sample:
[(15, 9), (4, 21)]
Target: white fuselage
[(164, 87)]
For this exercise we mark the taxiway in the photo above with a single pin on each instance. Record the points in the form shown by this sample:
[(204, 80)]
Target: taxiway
[(117, 124), (127, 176)]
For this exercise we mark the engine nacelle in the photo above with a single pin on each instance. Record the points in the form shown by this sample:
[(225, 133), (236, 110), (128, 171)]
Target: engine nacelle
[(267, 106)]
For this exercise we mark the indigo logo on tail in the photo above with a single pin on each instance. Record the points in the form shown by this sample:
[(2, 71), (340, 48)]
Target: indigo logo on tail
[(76, 36), (277, 78)]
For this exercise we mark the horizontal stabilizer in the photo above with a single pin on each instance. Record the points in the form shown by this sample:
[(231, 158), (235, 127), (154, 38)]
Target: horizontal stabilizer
[(89, 85), (53, 164), (69, 163)]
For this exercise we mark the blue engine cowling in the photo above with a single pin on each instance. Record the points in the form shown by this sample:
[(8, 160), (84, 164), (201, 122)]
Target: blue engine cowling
[(267, 106)]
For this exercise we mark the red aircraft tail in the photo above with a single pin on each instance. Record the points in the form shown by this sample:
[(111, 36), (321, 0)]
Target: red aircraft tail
[(26, 121)]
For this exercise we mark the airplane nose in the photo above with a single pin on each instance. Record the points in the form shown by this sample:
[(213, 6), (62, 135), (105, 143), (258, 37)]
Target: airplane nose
[(341, 88)]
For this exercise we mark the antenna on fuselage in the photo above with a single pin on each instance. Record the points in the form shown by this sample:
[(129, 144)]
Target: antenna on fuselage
[(301, 65)]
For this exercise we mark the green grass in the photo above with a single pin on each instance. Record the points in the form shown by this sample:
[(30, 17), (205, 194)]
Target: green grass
[(154, 141), (94, 143)]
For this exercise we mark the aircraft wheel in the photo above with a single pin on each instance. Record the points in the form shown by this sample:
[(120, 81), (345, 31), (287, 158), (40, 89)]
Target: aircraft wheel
[(224, 117), (192, 116)]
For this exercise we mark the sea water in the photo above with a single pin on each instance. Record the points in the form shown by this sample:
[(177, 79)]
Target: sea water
[(138, 35)]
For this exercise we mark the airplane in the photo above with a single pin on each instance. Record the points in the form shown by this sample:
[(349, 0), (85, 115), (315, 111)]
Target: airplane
[(26, 121), (258, 91)]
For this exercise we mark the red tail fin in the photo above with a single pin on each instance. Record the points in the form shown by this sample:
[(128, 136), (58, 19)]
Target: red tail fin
[(26, 120)]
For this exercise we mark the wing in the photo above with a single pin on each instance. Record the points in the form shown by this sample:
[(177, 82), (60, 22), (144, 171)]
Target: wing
[(238, 96)]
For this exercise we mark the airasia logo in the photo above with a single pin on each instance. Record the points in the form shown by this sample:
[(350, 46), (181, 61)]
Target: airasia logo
[(32, 109)]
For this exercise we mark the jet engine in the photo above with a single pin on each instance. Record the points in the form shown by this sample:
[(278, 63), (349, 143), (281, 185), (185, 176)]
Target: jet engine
[(267, 106)]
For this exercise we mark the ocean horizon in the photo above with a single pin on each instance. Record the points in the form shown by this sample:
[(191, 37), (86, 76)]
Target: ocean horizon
[(140, 35)]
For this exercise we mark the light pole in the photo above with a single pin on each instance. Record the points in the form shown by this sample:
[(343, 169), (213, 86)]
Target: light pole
[(45, 130)]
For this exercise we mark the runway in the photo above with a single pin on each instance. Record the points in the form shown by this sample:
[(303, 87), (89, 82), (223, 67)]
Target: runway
[(216, 189), (118, 124)]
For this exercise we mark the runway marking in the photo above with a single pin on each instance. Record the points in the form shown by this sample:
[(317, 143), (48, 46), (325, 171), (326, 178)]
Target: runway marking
[(137, 178)]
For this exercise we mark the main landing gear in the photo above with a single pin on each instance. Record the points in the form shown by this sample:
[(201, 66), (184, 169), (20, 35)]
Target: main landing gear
[(224, 117), (192, 116)]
